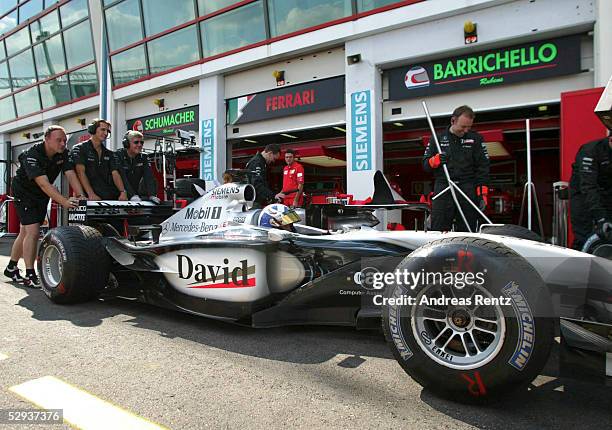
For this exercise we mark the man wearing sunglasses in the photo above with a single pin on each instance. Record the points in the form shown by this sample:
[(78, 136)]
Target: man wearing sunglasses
[(135, 169)]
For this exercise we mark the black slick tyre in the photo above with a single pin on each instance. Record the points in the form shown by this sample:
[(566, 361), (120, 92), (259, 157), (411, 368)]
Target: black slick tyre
[(73, 264), (512, 230), (462, 350)]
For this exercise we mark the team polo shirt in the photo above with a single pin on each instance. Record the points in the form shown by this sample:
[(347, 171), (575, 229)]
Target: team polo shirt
[(293, 176)]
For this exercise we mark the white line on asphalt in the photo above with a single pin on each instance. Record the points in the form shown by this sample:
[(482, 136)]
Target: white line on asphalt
[(3, 356), (81, 409)]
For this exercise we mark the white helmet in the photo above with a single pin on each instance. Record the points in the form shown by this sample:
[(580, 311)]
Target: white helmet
[(277, 215)]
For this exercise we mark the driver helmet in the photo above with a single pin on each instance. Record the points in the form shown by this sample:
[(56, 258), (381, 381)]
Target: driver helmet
[(277, 216)]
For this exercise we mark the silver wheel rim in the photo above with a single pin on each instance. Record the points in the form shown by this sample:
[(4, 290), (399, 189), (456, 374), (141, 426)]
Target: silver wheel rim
[(52, 266), (458, 337)]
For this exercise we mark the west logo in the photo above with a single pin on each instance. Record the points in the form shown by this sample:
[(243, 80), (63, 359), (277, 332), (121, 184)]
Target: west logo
[(216, 276)]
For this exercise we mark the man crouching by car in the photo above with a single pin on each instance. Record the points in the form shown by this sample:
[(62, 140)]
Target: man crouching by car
[(32, 186), (135, 169)]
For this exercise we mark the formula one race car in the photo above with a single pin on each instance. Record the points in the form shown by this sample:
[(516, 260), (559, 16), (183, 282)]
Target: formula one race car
[(471, 316)]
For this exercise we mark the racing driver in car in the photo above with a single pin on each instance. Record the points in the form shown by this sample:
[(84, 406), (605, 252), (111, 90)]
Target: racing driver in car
[(279, 216)]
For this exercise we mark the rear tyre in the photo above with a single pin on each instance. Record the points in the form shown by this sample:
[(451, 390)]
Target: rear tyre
[(512, 230), (470, 352), (73, 264)]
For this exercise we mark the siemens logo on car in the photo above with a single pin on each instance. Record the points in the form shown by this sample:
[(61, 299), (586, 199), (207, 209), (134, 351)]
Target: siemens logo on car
[(216, 276)]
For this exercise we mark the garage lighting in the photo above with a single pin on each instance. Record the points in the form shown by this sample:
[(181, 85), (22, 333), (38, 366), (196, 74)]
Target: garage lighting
[(340, 129), (250, 141), (290, 136), (323, 161), (398, 124)]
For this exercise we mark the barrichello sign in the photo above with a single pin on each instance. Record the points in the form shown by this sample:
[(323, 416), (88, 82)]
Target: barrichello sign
[(166, 123), (291, 100), (536, 60)]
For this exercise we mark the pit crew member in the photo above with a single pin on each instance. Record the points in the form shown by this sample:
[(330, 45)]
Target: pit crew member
[(293, 181), (96, 165), (591, 191), (467, 160), (32, 187), (135, 169), (257, 167)]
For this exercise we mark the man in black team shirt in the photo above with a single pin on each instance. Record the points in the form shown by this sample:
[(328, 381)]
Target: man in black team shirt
[(467, 160), (97, 166), (136, 169), (32, 186), (591, 192)]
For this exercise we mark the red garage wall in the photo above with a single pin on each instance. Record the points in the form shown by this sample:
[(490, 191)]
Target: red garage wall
[(579, 125)]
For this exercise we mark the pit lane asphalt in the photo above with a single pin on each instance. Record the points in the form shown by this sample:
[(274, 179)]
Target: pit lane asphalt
[(185, 372)]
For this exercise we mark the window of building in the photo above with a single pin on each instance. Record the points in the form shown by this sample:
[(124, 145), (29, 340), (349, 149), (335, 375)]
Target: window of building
[(18, 41), (6, 5), (287, 16), (123, 24), (8, 22), (27, 101), (73, 11), (365, 5), (84, 81), (49, 57), (79, 46), (54, 92), (45, 26), (2, 51), (22, 69), (175, 49), (233, 29), (5, 82), (29, 9), (160, 15), (7, 110), (129, 65), (209, 6)]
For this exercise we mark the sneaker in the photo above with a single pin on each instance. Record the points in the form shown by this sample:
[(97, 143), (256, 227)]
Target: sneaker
[(13, 274), (31, 280)]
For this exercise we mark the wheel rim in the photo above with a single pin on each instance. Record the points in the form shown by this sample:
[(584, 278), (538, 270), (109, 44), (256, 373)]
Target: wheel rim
[(52, 266), (458, 337)]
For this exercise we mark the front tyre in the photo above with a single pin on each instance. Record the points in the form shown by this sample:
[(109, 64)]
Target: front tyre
[(469, 341), (73, 264)]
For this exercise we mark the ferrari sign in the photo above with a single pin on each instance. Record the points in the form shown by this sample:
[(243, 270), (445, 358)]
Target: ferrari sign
[(536, 60)]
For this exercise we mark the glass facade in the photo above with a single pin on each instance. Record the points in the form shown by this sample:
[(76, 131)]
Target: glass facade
[(366, 5), (79, 46), (234, 29), (239, 24), (129, 65), (160, 15), (175, 49), (43, 50), (123, 25), (27, 101), (287, 16)]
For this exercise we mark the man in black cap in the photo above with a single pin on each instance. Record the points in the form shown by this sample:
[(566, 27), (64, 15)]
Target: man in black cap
[(467, 160), (257, 167), (97, 166), (591, 192), (32, 187), (136, 169)]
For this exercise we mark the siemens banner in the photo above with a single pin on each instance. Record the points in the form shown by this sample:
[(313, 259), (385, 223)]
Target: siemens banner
[(207, 157), (361, 130), (529, 61)]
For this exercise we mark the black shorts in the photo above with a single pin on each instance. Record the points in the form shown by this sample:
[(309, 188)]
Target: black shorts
[(31, 211)]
